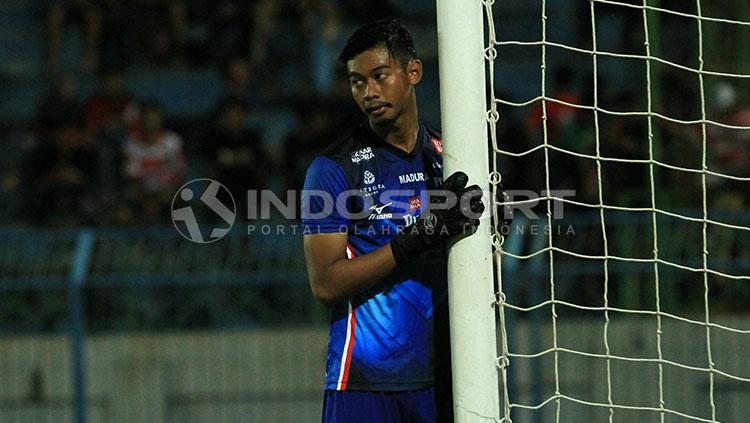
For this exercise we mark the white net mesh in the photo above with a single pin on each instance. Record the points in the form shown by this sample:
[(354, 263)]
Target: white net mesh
[(646, 318)]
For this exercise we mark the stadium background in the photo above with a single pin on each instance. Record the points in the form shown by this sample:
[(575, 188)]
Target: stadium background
[(108, 314)]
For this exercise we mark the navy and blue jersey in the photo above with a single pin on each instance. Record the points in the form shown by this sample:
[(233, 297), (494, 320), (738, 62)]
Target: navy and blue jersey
[(380, 340)]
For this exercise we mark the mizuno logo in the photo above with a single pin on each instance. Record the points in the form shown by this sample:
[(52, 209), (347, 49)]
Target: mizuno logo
[(379, 209)]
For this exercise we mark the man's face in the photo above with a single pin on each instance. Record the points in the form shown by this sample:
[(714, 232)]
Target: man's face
[(380, 85), (151, 121), (233, 119), (112, 84)]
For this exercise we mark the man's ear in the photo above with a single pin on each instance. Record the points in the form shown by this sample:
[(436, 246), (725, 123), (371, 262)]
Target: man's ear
[(414, 71)]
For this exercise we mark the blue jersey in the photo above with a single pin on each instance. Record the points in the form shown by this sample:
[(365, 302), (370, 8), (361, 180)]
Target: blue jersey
[(382, 339)]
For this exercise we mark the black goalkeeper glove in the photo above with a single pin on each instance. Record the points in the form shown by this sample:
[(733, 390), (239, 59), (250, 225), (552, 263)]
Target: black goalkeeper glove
[(435, 227)]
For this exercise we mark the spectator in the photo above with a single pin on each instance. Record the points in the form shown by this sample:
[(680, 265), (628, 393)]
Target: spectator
[(223, 29), (368, 10), (117, 49), (59, 108), (111, 109), (230, 28), (566, 128), (237, 78), (278, 32), (110, 114), (623, 138), (518, 172), (161, 30), (154, 166), (56, 176), (320, 121), (91, 15), (234, 153), (265, 17), (321, 25), (558, 115), (729, 149)]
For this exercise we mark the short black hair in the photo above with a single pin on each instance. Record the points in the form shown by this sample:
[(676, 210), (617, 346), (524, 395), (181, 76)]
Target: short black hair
[(386, 32)]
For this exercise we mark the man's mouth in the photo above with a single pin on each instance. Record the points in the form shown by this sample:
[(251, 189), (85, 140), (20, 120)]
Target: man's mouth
[(376, 109)]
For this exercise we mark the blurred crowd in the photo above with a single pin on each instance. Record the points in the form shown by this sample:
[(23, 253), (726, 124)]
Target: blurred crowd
[(112, 158), (115, 159), (626, 141), (200, 32)]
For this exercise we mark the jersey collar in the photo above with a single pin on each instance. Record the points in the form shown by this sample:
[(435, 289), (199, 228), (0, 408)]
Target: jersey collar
[(374, 139)]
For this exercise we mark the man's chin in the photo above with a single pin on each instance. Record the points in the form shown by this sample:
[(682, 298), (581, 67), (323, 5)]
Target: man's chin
[(380, 121)]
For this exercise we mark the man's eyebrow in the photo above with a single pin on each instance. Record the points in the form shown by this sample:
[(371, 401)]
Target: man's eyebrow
[(373, 70), (379, 68)]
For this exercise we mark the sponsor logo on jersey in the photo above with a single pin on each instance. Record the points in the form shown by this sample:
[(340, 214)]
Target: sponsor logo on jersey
[(411, 177), (379, 209), (362, 155), (378, 215), (415, 203), (438, 144), (369, 177), (371, 190)]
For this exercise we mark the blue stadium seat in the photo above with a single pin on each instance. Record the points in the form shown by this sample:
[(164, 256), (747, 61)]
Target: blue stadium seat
[(22, 32), (19, 13), (417, 9), (182, 93), (22, 49), (19, 97)]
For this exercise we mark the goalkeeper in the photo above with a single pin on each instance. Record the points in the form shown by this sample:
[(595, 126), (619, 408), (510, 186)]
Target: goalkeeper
[(374, 239)]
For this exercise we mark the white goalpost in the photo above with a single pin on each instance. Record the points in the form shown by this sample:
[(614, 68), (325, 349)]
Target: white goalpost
[(470, 288), (521, 357)]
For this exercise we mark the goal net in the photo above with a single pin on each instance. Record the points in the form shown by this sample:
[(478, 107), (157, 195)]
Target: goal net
[(621, 129)]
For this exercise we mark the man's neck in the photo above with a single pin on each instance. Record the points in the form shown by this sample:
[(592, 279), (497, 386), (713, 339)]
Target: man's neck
[(401, 133)]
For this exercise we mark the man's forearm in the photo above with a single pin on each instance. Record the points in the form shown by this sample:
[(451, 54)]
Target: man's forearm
[(346, 277)]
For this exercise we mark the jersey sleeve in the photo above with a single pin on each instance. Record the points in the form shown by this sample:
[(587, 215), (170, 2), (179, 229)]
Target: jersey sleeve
[(324, 182)]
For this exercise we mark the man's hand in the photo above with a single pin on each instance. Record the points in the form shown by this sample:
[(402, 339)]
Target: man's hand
[(435, 227)]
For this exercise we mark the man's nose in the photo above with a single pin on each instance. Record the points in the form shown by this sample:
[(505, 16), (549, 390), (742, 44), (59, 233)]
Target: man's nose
[(372, 90)]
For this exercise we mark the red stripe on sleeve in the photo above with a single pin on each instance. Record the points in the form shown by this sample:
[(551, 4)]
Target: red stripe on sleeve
[(352, 327)]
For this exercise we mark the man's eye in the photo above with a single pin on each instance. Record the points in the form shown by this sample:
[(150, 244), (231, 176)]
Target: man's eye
[(356, 82), (380, 76)]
